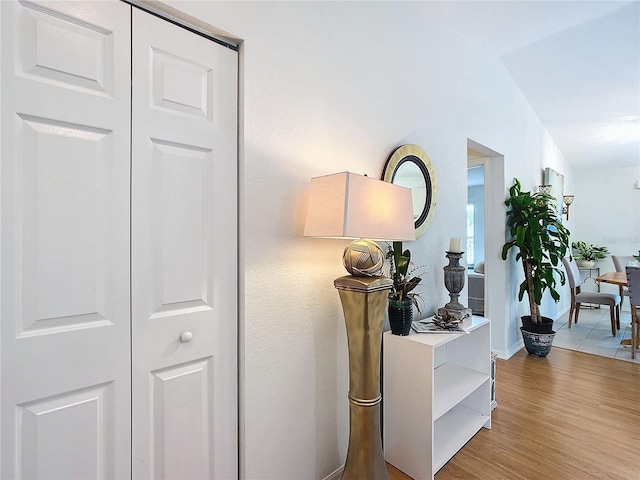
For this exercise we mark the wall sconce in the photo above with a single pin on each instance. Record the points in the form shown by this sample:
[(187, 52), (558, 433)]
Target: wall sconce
[(567, 200), (345, 205)]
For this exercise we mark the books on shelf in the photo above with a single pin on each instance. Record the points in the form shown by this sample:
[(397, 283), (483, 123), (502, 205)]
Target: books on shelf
[(436, 325)]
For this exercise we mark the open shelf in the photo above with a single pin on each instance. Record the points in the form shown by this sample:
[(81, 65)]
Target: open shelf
[(452, 431), (452, 384)]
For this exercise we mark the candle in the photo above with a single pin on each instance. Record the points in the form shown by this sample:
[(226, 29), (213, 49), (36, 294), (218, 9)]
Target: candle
[(454, 244)]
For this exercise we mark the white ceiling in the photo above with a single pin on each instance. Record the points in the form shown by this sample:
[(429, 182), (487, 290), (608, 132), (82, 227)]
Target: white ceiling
[(577, 62)]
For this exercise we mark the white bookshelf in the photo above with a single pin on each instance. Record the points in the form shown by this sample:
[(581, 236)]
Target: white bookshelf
[(437, 395)]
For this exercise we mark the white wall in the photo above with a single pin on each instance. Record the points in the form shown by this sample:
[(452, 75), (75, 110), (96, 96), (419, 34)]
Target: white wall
[(328, 87), (606, 211)]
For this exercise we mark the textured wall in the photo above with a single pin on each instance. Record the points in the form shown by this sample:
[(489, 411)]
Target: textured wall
[(328, 87)]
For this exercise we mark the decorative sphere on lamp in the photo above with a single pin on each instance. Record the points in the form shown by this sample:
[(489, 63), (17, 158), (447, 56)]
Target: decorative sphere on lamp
[(363, 258)]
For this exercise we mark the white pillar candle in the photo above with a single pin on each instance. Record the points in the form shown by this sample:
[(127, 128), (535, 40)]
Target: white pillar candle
[(454, 244)]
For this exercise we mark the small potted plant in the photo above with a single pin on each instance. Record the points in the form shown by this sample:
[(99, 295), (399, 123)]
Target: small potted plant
[(536, 232), (586, 255), (402, 297)]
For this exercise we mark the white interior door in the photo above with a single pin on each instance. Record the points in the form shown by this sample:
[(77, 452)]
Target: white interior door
[(67, 321), (64, 244), (184, 281)]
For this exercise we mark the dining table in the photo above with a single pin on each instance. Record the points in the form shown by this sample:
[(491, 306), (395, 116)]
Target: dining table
[(615, 278), (620, 279)]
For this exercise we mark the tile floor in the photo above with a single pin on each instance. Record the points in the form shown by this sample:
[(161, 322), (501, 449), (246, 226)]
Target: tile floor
[(592, 334)]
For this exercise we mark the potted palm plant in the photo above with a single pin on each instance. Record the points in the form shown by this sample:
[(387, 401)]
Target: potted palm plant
[(535, 230), (402, 298)]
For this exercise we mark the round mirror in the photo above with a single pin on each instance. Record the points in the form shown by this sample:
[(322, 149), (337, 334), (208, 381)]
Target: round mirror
[(409, 166)]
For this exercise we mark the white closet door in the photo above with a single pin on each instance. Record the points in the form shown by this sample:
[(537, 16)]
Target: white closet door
[(184, 259), (64, 244)]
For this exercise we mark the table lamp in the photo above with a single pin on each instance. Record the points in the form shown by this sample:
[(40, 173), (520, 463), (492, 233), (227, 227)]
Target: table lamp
[(346, 205)]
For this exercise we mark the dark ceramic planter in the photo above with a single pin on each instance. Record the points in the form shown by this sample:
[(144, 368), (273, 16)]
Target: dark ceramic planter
[(538, 337), (537, 344), (400, 316)]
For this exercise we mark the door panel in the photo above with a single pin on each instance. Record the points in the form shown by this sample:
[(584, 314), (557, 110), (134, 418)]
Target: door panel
[(64, 243), (65, 180), (181, 227), (181, 85), (184, 254), (181, 398), (86, 454), (66, 50)]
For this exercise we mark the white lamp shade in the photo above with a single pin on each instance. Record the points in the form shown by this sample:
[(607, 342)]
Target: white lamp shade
[(346, 205)]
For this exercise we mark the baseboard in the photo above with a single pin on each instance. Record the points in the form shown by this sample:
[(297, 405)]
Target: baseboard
[(510, 352), (335, 475)]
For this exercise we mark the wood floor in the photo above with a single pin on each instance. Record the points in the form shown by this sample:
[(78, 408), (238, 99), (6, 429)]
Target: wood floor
[(570, 416)]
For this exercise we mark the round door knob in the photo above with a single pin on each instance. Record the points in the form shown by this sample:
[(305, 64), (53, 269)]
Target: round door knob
[(186, 337)]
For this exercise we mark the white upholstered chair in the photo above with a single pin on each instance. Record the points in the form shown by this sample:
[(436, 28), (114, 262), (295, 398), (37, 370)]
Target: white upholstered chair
[(599, 298), (633, 281)]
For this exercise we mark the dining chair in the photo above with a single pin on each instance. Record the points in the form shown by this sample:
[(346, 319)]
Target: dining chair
[(621, 261), (599, 298), (633, 281)]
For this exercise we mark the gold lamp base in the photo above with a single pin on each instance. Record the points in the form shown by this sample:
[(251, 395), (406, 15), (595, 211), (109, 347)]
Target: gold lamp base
[(363, 301)]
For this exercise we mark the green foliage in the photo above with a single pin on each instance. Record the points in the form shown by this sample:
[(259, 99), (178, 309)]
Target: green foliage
[(589, 252), (536, 231), (405, 279)]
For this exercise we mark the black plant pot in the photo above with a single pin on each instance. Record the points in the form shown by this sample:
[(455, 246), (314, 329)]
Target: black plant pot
[(545, 327), (538, 337), (400, 316)]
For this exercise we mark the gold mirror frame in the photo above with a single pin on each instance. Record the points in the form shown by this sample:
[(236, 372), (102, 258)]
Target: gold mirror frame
[(415, 154)]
